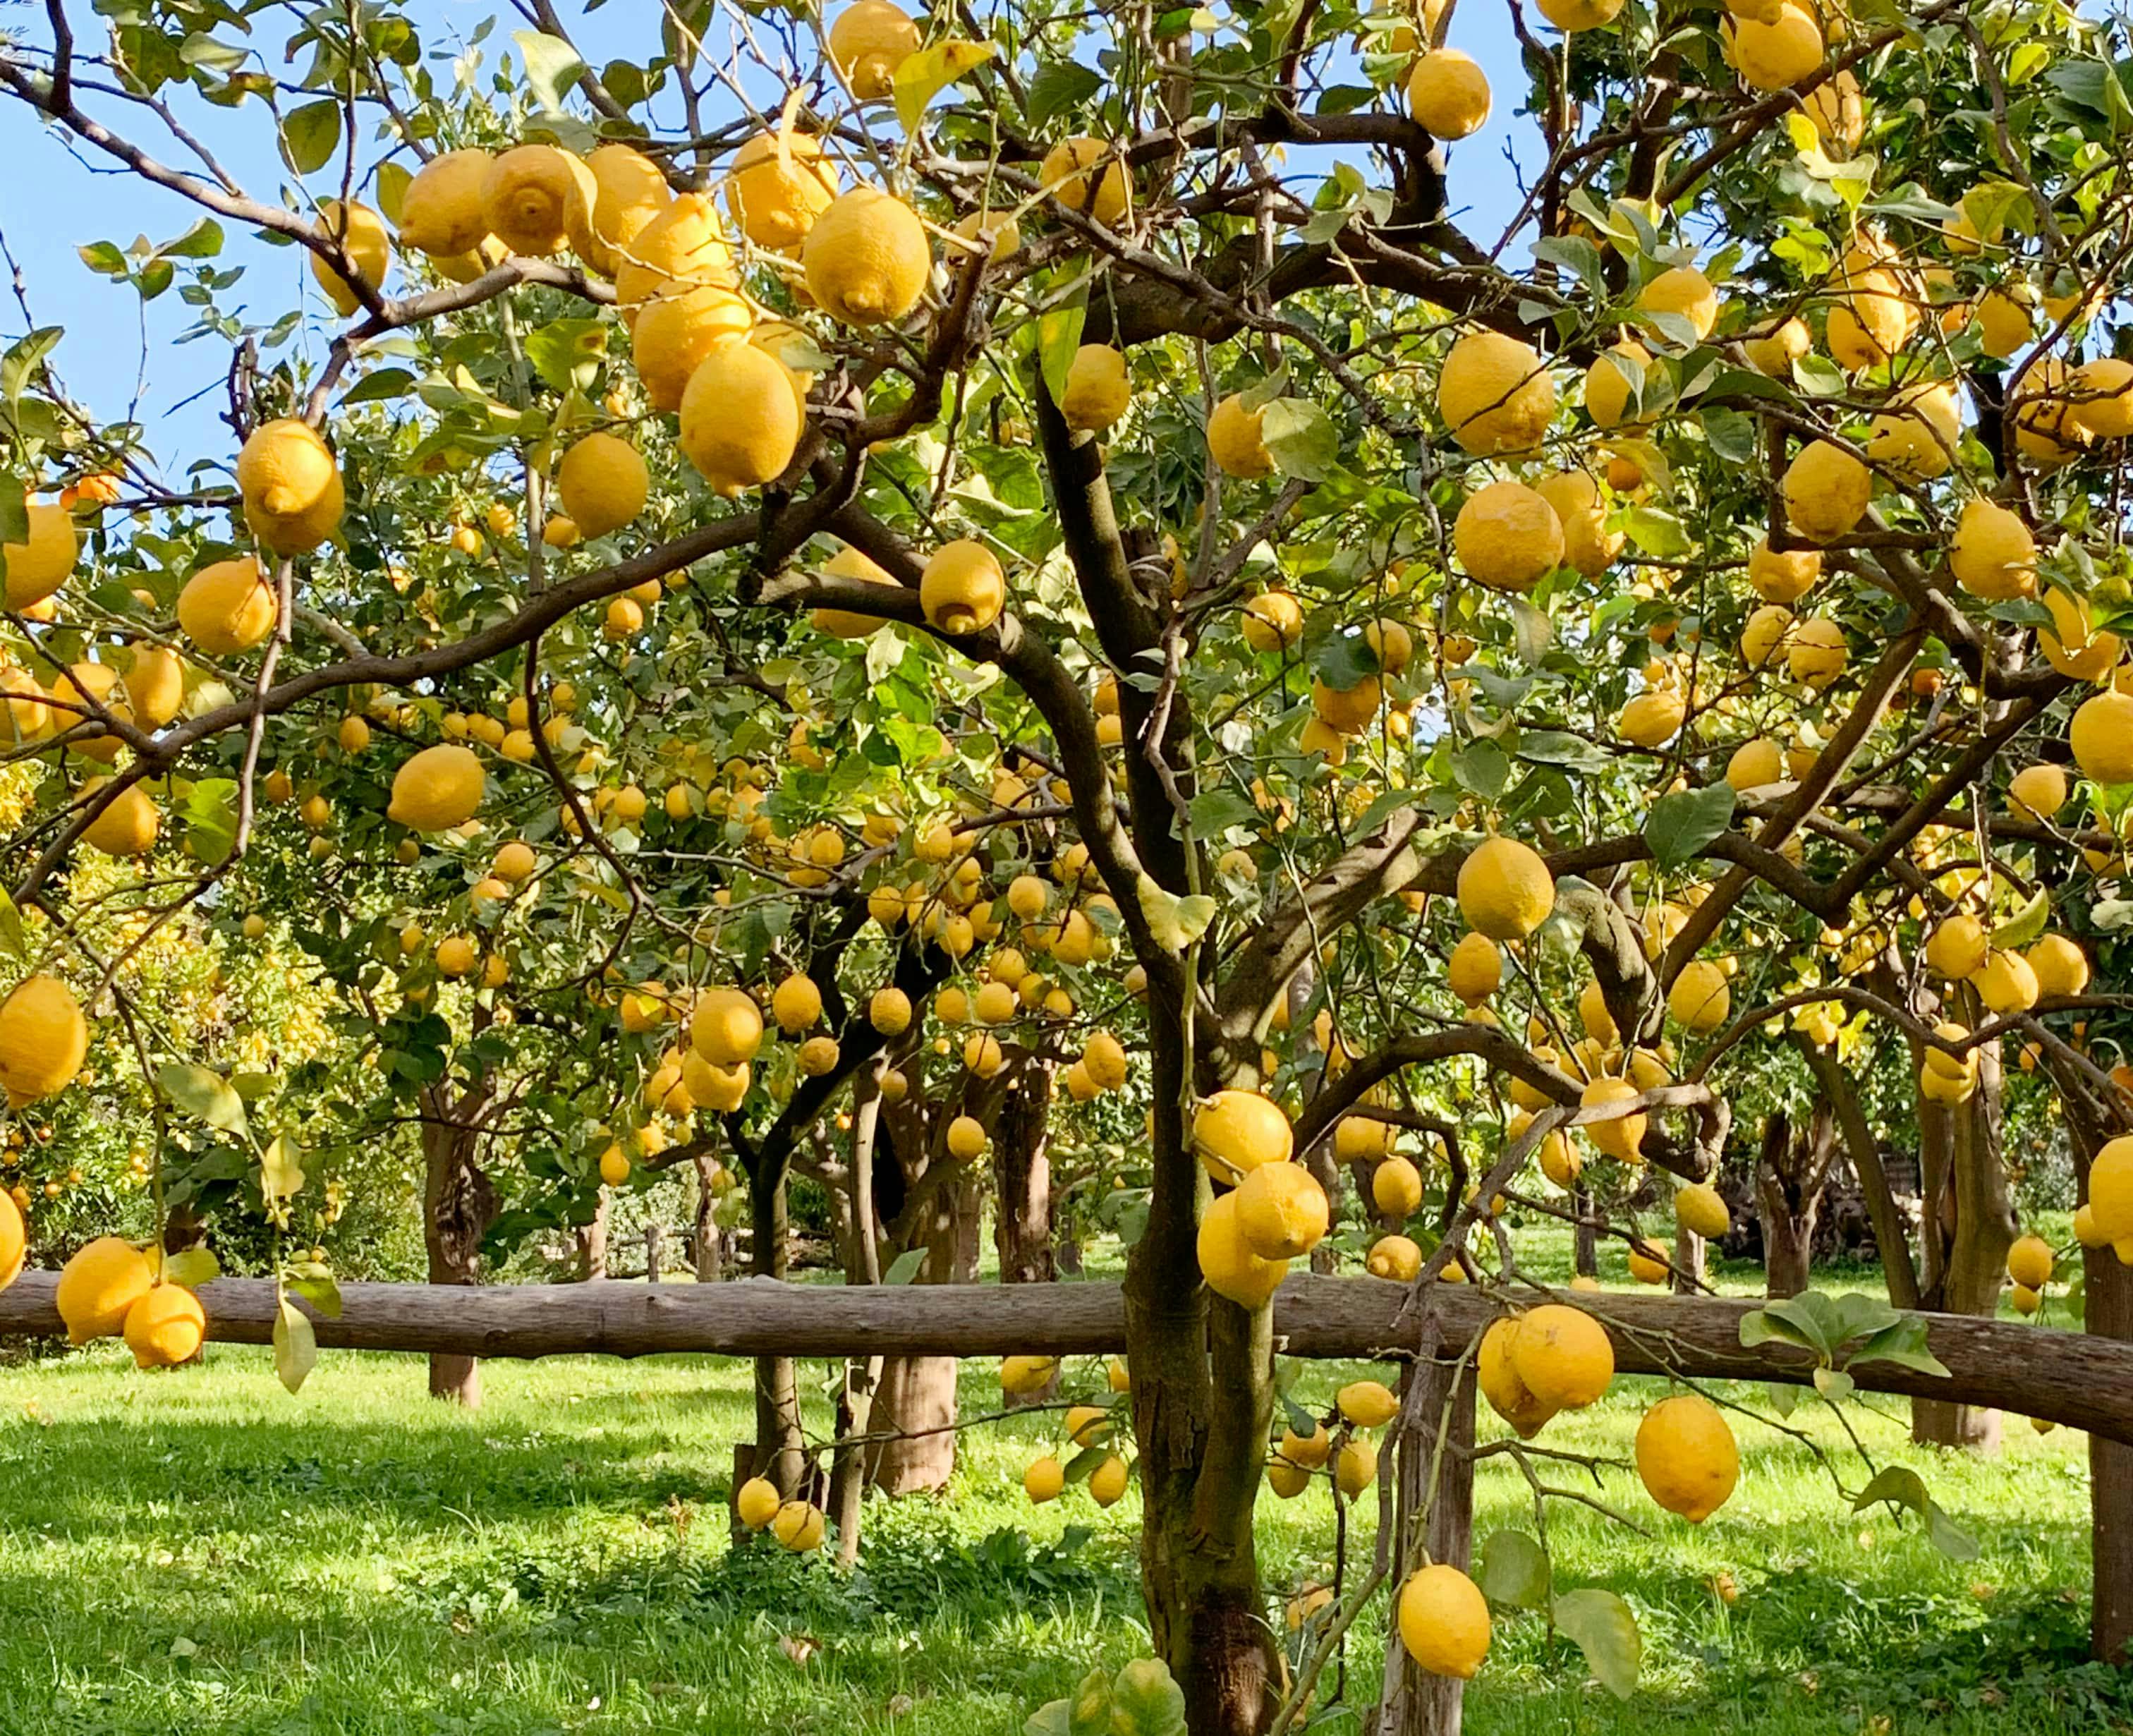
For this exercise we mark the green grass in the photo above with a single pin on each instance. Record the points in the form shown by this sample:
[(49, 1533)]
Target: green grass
[(197, 1552)]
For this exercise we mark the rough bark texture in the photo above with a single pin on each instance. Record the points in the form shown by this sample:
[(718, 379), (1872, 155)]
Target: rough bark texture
[(458, 1206), (705, 1244), (1022, 1179), (592, 1244), (1433, 1705), (779, 1451), (1892, 1230), (1791, 1171)]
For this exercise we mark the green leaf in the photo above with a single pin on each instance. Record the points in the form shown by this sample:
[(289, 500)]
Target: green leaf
[(2026, 924), (280, 1170), (295, 1346), (191, 1267), (1146, 1701), (22, 359), (1089, 1713), (1533, 631), (1833, 1384), (1899, 1485), (1058, 337), (1681, 825), (1345, 662), (1659, 534), (1055, 88), (1605, 1631), (1730, 435), (202, 241), (377, 387), (10, 918), (1049, 1719), (1513, 1570), (202, 1094), (1902, 1343), (313, 1280), (568, 352), (552, 66), (905, 1268), (1301, 437), (103, 257), (310, 135), (1819, 376), (1482, 768), (922, 76), (1814, 1317)]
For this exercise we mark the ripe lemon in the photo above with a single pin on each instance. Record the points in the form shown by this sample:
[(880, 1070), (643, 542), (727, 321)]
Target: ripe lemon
[(778, 184), (962, 589), (1684, 292), (1367, 1404), (966, 1138), (2103, 398), (78, 691), (1043, 1480), (1234, 441), (44, 1040), (676, 330), (1772, 57), (362, 234), (1475, 970), (2073, 645), (537, 199), (1698, 1209), (868, 42), (2029, 1262), (439, 787), (1105, 1056), (105, 1279), (757, 1503), (2046, 430), (1783, 578), (819, 1056), (1818, 652), (867, 259), (1447, 94), (1755, 764), (2061, 967), (1653, 719), (2006, 319), (1992, 554), (1871, 320), (2109, 1188), (1772, 350), (165, 1327), (1504, 890), (1097, 389), (1347, 710), (1021, 1376), (1838, 112), (1700, 999), (14, 1240), (39, 566), (2102, 740), (1508, 536), (849, 563), (1624, 1135), (1226, 1260), (1496, 1372), (155, 685), (1826, 492), (1398, 1258), (796, 1003), (1617, 377), (1067, 170), (740, 422), (2038, 791), (888, 1010), (1495, 394), (629, 192), (1563, 1355), (798, 1525), (2006, 984), (1235, 1131), (293, 497), (129, 825), (1915, 436), (1355, 1467), (1686, 1456), (1568, 16), (684, 248), (1396, 1187), (1588, 544), (603, 482), (1108, 1481), (1444, 1622), (441, 213)]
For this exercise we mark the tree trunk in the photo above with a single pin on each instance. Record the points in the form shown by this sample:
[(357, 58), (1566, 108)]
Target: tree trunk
[(1791, 1172), (1691, 1267), (655, 1250), (1585, 1248), (705, 1248), (1418, 1703), (592, 1244), (780, 1450), (917, 1397), (1973, 1222), (458, 1205), (848, 1461), (1892, 1236), (1022, 1179)]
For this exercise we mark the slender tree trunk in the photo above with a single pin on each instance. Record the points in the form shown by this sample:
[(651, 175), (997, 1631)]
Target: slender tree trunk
[(705, 1249), (1691, 1266), (1892, 1235), (779, 1451), (655, 1251), (458, 1205), (1586, 1247), (592, 1244), (862, 1374), (1022, 1179), (1976, 1227), (1422, 1704), (917, 1394)]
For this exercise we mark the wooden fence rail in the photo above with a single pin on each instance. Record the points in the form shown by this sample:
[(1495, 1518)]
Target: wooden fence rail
[(2065, 1377)]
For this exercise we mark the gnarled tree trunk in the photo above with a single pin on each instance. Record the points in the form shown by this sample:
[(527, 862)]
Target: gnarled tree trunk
[(1792, 1169), (458, 1206)]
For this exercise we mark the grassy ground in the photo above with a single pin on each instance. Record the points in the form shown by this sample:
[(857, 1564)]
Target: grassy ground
[(199, 1552)]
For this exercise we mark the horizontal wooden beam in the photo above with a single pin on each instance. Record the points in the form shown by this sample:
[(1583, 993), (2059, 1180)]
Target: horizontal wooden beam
[(2065, 1377)]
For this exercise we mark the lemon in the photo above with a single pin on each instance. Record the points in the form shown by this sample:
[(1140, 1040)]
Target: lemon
[(2006, 984), (441, 212), (1355, 1467), (1496, 1372), (1043, 1480), (1021, 1376), (1444, 1622), (1508, 536), (629, 192), (1826, 492), (1475, 969), (1700, 998), (127, 826), (819, 1056), (1563, 1355), (1070, 165), (229, 607), (1234, 441), (104, 1279), (1686, 1456), (1398, 1258), (1367, 1404), (514, 863), (155, 685), (1226, 1260), (1957, 947), (2109, 1188), (1623, 1136), (439, 787), (966, 1138), (1653, 719), (1447, 93), (1097, 390), (684, 248), (996, 234), (2046, 431), (1396, 1187), (740, 422), (2073, 645), (291, 486), (962, 589), (2102, 740), (778, 184), (2029, 1262), (1783, 578), (1992, 554), (796, 1004), (867, 259), (43, 1040), (798, 1525), (1818, 652), (1504, 890), (2060, 967), (1773, 348), (14, 1240), (2005, 320), (604, 484), (165, 1327), (537, 199), (1613, 380), (1698, 1209), (2103, 398), (849, 563), (362, 234), (1495, 394), (1588, 544), (1568, 16), (1686, 293), (1838, 112), (1347, 710), (40, 564), (757, 1503), (79, 691), (676, 330), (1755, 764), (1772, 57), (1108, 1481), (1871, 320), (1236, 1131), (1914, 438), (868, 42)]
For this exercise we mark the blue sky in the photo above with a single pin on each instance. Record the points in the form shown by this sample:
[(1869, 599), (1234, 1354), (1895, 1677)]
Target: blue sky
[(115, 349)]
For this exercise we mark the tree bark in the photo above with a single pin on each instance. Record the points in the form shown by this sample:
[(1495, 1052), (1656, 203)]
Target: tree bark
[(863, 1373), (1022, 1178), (1425, 1705), (592, 1244), (1585, 1248), (1892, 1233), (705, 1249), (780, 1451), (458, 1206)]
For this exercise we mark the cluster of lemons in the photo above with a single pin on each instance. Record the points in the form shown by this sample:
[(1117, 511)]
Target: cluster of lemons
[(112, 1288)]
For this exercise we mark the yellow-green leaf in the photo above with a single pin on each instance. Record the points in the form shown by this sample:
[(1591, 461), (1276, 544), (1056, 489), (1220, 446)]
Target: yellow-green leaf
[(924, 75)]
